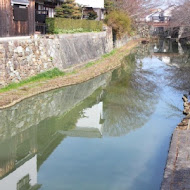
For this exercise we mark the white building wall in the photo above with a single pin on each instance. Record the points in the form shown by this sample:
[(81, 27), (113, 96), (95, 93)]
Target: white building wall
[(91, 3)]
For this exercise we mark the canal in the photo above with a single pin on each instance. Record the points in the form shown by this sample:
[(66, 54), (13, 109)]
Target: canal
[(109, 133)]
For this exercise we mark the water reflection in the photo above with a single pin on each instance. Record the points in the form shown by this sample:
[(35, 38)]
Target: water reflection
[(129, 99), (31, 130), (174, 54), (42, 136)]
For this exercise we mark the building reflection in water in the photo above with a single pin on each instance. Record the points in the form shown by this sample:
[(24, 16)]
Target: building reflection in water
[(18, 161), (28, 136)]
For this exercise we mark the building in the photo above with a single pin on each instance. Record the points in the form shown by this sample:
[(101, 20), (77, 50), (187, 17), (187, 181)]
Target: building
[(153, 17), (96, 5), (24, 17), (161, 15), (166, 14), (44, 9), (17, 17)]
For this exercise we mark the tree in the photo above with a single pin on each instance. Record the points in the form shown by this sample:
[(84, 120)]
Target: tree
[(181, 15), (135, 8), (92, 15), (69, 9), (119, 21), (180, 23), (109, 6)]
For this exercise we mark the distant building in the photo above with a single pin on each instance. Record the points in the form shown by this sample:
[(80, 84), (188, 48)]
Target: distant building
[(155, 17), (161, 15), (166, 14), (96, 5)]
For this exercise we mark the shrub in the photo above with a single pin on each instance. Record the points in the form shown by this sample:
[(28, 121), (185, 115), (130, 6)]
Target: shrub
[(119, 21), (109, 6), (69, 9), (92, 15), (63, 25)]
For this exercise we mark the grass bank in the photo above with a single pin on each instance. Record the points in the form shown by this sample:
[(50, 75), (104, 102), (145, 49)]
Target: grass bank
[(14, 93), (40, 77)]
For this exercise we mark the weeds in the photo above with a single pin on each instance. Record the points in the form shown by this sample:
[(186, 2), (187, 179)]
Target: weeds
[(39, 77)]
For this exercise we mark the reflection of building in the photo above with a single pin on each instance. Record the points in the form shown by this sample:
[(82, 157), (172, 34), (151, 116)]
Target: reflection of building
[(31, 131), (89, 124), (18, 160), (170, 53), (16, 149), (23, 177)]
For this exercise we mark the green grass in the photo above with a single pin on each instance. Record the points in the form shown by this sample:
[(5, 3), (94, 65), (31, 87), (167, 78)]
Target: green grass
[(109, 54), (102, 58), (42, 76), (90, 64), (52, 74)]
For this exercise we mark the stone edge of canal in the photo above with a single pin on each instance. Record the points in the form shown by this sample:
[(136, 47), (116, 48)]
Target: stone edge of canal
[(177, 170)]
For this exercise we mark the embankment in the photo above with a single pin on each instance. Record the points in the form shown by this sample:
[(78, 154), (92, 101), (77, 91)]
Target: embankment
[(177, 171), (82, 74)]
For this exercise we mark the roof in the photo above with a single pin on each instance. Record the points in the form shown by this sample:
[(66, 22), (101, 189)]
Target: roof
[(22, 2), (168, 10), (91, 3)]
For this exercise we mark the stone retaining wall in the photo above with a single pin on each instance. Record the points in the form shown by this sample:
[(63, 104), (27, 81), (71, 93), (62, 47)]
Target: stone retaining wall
[(23, 58)]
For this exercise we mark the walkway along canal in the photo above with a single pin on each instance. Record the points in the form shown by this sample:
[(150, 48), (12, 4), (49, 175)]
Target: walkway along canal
[(110, 133)]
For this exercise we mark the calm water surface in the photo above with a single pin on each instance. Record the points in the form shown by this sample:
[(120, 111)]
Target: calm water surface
[(110, 133)]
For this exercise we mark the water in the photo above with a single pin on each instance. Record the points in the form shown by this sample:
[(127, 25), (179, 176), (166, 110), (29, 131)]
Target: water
[(110, 133)]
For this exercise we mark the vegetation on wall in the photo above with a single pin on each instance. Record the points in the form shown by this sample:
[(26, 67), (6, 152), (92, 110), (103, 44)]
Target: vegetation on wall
[(63, 25), (120, 22), (69, 9)]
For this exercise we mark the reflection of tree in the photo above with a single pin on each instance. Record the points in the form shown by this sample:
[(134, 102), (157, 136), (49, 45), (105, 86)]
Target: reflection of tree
[(178, 75), (129, 99), (179, 78)]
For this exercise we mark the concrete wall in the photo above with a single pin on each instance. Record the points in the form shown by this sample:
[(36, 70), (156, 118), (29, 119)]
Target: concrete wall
[(23, 58)]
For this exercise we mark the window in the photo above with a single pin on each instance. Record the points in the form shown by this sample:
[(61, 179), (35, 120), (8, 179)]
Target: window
[(20, 13)]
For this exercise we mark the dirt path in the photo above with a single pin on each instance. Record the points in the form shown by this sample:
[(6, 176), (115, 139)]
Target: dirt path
[(83, 74)]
